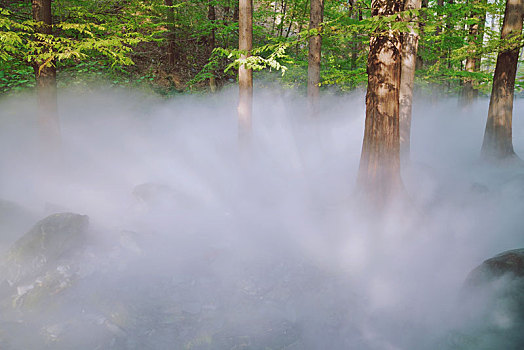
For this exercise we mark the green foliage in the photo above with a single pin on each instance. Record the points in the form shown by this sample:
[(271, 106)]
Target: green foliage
[(126, 42)]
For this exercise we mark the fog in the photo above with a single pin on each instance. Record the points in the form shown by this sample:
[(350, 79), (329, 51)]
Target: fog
[(196, 243)]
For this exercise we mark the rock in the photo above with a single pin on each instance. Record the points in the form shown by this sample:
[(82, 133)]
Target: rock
[(151, 192), (493, 303), (510, 262), (49, 240), (152, 195)]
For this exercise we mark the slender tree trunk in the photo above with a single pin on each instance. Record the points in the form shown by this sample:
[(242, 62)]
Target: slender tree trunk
[(476, 33), (236, 11), (409, 62), (211, 15), (171, 36), (354, 13), (281, 25), (245, 75), (315, 45), (498, 143), (379, 173), (297, 46), (45, 74)]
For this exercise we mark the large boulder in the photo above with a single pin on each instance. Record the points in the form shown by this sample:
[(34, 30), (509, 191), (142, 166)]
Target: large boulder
[(509, 263), (493, 304), (34, 261)]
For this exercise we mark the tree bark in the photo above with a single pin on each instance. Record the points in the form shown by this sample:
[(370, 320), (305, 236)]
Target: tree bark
[(314, 57), (171, 36), (379, 172), (409, 62), (211, 15), (245, 75), (45, 75), (498, 143)]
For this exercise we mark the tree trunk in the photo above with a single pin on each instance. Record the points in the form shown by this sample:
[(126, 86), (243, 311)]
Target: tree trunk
[(315, 45), (245, 75), (211, 15), (476, 33), (379, 172), (171, 37), (498, 142), (45, 75), (409, 62)]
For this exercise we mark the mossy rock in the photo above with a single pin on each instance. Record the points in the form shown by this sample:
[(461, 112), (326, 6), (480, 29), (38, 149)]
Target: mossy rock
[(50, 239)]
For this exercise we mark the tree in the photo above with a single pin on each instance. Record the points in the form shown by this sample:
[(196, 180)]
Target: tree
[(475, 38), (498, 143), (245, 74), (45, 75), (409, 61), (211, 15), (379, 172), (315, 45), (171, 35)]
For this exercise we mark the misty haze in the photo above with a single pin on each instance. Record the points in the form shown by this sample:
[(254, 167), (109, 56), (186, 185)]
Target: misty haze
[(176, 239), (261, 175)]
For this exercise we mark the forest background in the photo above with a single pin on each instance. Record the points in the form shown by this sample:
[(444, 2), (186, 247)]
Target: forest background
[(170, 46)]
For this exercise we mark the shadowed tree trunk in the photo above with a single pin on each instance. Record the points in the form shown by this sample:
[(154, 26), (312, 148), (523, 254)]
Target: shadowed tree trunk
[(211, 15), (245, 75), (171, 37), (409, 62), (498, 142), (45, 74), (315, 45), (476, 33), (379, 172)]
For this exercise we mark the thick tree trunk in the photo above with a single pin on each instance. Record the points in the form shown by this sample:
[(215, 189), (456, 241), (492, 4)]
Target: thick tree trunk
[(409, 62), (379, 173), (171, 36), (245, 75), (498, 143), (211, 15), (315, 45), (476, 33), (45, 74)]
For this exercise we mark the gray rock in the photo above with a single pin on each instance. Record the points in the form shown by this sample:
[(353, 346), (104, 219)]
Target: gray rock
[(49, 240), (510, 262)]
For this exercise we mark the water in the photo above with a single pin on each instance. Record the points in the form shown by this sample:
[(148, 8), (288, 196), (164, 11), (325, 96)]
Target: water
[(261, 248)]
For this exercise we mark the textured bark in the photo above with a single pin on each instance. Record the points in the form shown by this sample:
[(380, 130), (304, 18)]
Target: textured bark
[(498, 143), (379, 173), (171, 36), (245, 75), (211, 15), (314, 57), (45, 75), (409, 61), (476, 32)]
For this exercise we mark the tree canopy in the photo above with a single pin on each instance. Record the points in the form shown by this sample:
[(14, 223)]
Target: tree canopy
[(127, 43)]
